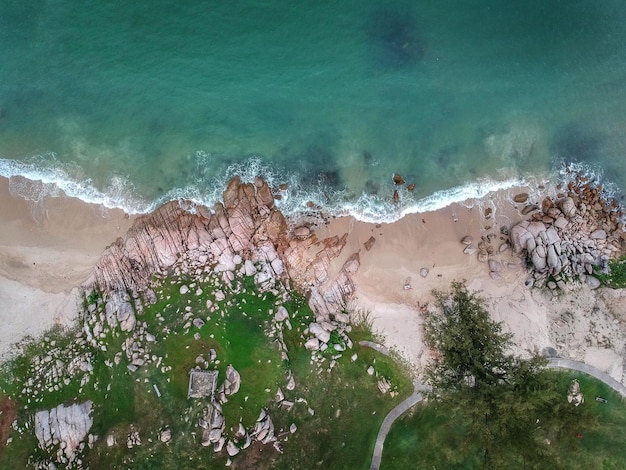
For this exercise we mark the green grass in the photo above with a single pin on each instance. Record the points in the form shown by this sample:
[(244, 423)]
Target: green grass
[(616, 276), (432, 436), (348, 406)]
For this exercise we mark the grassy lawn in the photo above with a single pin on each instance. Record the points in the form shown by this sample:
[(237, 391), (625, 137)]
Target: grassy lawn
[(337, 406), (430, 436)]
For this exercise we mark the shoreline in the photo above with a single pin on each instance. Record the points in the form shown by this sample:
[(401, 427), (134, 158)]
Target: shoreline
[(72, 236), (538, 318), (43, 262)]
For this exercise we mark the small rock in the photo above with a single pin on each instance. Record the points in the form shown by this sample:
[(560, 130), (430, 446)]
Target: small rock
[(592, 282), (302, 232), (370, 370), (369, 243), (520, 198), (397, 179), (598, 235), (166, 435), (312, 344), (494, 266), (424, 272), (293, 428), (232, 448), (183, 289), (467, 240), (281, 314), (530, 208), (568, 207), (561, 223), (469, 250)]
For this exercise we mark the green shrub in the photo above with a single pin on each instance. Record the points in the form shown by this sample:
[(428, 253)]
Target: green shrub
[(616, 276)]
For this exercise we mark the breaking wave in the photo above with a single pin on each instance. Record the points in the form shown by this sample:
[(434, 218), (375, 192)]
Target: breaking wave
[(36, 182)]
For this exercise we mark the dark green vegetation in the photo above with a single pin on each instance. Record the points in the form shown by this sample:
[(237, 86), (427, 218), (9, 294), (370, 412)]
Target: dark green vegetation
[(493, 410), (616, 276), (337, 405), (435, 434)]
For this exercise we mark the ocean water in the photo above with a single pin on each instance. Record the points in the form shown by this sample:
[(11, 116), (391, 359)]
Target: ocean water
[(134, 103)]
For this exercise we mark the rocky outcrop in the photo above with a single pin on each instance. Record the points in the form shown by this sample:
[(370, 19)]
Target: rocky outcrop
[(246, 232), (65, 426), (246, 222), (571, 236)]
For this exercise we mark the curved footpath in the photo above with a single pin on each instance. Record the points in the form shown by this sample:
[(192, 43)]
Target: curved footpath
[(562, 363), (419, 388), (396, 412)]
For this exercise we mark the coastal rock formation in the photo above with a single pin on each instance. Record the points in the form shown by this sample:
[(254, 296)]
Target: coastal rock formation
[(244, 232), (572, 236), (65, 426)]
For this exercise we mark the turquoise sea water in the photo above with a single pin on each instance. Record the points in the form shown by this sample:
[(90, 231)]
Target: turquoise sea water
[(132, 103)]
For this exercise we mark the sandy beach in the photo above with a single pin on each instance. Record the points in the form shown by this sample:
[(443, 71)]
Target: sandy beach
[(581, 323), (45, 256), (47, 249)]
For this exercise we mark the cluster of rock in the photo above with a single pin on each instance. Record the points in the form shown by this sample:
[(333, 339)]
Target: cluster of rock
[(65, 427), (56, 369), (212, 424), (244, 234), (487, 251), (230, 385), (570, 236), (398, 180)]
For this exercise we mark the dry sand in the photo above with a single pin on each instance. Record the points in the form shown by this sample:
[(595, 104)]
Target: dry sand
[(45, 255), (47, 248), (592, 329)]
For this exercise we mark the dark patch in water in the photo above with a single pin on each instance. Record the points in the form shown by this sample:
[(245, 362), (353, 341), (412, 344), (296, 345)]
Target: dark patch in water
[(446, 155), (368, 158), (318, 165), (371, 187), (394, 38), (576, 142)]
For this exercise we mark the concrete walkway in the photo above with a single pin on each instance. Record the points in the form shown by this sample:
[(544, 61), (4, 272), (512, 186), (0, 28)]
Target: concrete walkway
[(419, 388), (562, 363), (395, 413)]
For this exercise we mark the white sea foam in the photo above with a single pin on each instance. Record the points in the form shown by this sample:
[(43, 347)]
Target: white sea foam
[(35, 182)]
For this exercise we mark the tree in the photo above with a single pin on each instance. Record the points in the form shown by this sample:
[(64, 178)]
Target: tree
[(511, 407)]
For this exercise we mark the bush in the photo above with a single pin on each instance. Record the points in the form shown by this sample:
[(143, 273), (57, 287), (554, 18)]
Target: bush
[(616, 275)]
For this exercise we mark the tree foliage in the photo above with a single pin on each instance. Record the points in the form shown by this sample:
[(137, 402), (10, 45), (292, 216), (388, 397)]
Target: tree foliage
[(509, 406)]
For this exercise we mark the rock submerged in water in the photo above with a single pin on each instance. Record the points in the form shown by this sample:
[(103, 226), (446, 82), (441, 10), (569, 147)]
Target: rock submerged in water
[(397, 179)]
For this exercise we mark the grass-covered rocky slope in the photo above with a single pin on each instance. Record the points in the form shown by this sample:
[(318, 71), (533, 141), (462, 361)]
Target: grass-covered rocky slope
[(324, 407)]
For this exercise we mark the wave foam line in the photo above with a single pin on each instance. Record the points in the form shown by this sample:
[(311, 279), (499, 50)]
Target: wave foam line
[(372, 210), (37, 182)]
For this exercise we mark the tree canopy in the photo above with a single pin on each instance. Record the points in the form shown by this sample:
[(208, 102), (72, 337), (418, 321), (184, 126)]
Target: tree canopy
[(509, 406)]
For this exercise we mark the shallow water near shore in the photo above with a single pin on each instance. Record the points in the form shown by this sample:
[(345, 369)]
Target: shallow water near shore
[(130, 105)]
